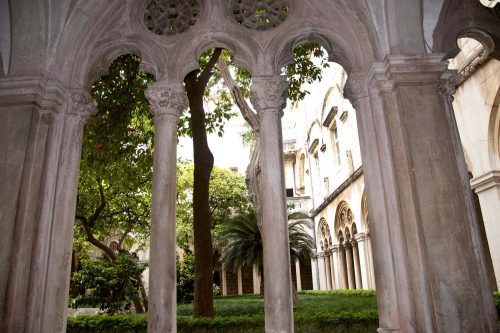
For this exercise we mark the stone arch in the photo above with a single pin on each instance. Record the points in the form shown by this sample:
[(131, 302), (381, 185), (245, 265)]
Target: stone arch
[(324, 234), (105, 53), (344, 216), (353, 47), (187, 59), (466, 19)]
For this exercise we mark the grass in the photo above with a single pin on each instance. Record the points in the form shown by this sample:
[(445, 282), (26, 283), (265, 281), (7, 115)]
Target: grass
[(319, 312)]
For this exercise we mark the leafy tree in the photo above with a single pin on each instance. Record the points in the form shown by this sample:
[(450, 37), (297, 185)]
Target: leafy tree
[(241, 240), (108, 285), (199, 84), (228, 196), (114, 192), (185, 278)]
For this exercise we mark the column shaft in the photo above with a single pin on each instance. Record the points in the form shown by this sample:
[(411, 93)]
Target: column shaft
[(298, 278), (269, 97), (240, 281), (357, 268), (363, 262), (351, 283), (167, 101), (332, 271)]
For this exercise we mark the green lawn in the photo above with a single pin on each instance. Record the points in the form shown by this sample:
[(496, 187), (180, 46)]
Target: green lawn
[(318, 312)]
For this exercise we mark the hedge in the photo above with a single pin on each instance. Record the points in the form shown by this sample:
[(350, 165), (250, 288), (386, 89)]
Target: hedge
[(320, 322)]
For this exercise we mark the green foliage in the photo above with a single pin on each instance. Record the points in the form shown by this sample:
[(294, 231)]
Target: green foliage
[(228, 195), (242, 242), (185, 278), (321, 312), (117, 157), (303, 69), (109, 285)]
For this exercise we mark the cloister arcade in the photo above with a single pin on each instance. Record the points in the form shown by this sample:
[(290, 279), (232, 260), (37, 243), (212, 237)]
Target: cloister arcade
[(416, 178)]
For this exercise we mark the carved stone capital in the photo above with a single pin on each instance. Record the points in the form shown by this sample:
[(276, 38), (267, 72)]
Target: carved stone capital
[(166, 100), (355, 87), (269, 93), (82, 106)]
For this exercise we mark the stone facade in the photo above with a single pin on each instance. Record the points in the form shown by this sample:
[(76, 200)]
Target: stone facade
[(417, 186)]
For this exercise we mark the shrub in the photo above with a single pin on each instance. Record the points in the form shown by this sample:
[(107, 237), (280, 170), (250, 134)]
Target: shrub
[(109, 285), (185, 278)]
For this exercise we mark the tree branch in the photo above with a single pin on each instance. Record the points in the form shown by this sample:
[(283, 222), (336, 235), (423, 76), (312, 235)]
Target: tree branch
[(101, 207), (207, 72), (246, 111)]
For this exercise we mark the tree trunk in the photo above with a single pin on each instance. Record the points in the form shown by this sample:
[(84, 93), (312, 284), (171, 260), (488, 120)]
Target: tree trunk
[(203, 163), (144, 295), (253, 169)]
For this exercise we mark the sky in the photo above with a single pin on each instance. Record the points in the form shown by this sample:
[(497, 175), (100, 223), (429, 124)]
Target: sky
[(228, 151)]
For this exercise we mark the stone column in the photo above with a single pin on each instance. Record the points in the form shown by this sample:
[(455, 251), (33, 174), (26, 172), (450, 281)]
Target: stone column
[(224, 280), (343, 268), (322, 271), (415, 191), (315, 270), (298, 278), (362, 255), (487, 187), (332, 270), (240, 281), (336, 266), (268, 96), (39, 283), (357, 268), (351, 283), (54, 257), (328, 271), (256, 280), (167, 101)]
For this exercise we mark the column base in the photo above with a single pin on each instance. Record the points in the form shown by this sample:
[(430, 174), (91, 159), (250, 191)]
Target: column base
[(388, 330)]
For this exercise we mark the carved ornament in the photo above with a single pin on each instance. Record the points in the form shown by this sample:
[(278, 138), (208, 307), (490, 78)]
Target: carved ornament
[(82, 106), (269, 93), (171, 17), (355, 87), (260, 14), (166, 100)]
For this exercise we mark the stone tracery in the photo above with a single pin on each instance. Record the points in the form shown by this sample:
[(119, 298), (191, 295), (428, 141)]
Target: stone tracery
[(260, 14), (171, 17)]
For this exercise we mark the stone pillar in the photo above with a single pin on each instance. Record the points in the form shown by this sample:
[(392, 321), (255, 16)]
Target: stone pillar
[(332, 270), (167, 101), (38, 284), (357, 268), (298, 278), (315, 269), (224, 280), (54, 257), (351, 283), (256, 280), (487, 187), (240, 281), (415, 191), (322, 271), (268, 96), (328, 271), (369, 260), (361, 251), (342, 268), (336, 266)]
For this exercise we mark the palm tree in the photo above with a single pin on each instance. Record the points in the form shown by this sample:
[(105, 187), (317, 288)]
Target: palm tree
[(242, 242)]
